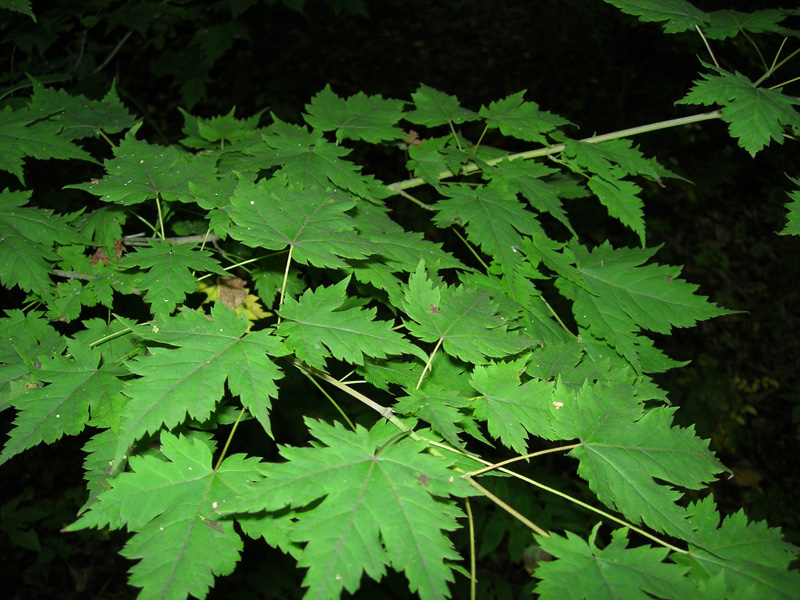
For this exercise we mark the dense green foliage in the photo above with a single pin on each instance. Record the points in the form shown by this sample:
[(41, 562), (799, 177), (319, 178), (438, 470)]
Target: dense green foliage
[(274, 279)]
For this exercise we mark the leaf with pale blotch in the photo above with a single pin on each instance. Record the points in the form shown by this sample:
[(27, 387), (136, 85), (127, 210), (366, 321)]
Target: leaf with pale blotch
[(316, 326), (170, 504)]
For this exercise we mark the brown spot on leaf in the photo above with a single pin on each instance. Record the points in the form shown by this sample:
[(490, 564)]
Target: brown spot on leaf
[(231, 291)]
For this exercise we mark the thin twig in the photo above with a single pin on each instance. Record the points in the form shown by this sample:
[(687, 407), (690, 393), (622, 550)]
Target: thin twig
[(114, 51), (556, 148)]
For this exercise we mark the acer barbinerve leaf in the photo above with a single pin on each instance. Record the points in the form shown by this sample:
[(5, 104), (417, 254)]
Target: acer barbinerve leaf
[(316, 326), (464, 321), (439, 406), (755, 115), (677, 15), (27, 239), (751, 557), (169, 272), (729, 23), (383, 502), (793, 212), (399, 248), (312, 223), (27, 337), (620, 295), (23, 134), (437, 108), (511, 409), (625, 449), (520, 119), (170, 503), (140, 171), (307, 158), (582, 571), (188, 379), (494, 219), (220, 131), (360, 117), (78, 116), (74, 385), (527, 178)]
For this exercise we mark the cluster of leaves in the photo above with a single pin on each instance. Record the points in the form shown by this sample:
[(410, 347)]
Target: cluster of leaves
[(455, 351)]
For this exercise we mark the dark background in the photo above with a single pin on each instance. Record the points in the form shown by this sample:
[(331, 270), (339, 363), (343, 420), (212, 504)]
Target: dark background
[(581, 59)]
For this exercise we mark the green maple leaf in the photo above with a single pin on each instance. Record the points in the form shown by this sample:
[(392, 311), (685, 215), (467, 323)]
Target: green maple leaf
[(381, 504), (581, 570), (526, 177), (427, 160), (399, 248), (189, 379), (359, 117), (624, 450), (464, 321), (140, 171), (750, 557), (728, 23), (169, 274), (754, 115), (28, 336), (307, 158), (170, 503), (793, 208), (620, 295), (523, 120), (311, 222), (600, 158), (20, 6), (316, 327), (77, 116), (511, 409), (74, 386), (437, 108), (25, 133), (493, 218), (678, 15), (27, 238), (620, 197), (439, 406)]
